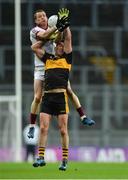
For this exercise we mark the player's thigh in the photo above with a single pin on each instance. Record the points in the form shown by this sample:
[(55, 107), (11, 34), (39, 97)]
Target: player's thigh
[(38, 87), (69, 89), (45, 120)]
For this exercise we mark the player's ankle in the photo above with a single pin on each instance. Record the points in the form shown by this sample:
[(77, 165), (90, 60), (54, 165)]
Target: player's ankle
[(83, 117)]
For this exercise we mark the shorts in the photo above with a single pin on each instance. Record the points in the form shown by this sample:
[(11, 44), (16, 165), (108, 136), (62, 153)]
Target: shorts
[(55, 103), (39, 73)]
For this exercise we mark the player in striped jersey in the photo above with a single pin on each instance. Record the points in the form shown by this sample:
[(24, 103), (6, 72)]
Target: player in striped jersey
[(55, 99)]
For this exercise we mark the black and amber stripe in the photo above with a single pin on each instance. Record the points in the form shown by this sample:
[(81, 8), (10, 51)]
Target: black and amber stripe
[(57, 71), (41, 152), (57, 63), (64, 153), (66, 102)]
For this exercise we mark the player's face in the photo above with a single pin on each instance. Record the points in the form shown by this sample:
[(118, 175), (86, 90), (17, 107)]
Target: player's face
[(60, 48), (41, 19)]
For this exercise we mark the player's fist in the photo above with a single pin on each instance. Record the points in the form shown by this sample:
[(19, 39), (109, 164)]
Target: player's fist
[(62, 23)]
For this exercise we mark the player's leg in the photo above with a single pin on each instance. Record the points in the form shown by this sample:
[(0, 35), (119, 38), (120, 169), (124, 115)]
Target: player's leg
[(44, 126), (63, 127), (27, 152), (33, 151), (62, 110), (35, 106), (84, 119)]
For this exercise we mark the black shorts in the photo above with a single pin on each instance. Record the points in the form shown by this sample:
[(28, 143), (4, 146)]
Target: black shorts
[(55, 103)]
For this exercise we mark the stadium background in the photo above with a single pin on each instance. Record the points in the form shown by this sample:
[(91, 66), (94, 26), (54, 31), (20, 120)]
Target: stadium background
[(99, 77)]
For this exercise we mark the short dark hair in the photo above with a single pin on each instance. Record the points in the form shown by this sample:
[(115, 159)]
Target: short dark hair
[(37, 11), (60, 42)]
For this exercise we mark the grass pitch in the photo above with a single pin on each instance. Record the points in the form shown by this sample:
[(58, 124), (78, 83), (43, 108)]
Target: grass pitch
[(76, 170)]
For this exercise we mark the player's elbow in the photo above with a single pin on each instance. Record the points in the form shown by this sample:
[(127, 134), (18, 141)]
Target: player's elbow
[(33, 47), (36, 46)]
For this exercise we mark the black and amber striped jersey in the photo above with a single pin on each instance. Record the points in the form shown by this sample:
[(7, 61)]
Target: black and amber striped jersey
[(57, 70)]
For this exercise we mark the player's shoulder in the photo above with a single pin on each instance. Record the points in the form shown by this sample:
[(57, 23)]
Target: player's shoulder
[(36, 29)]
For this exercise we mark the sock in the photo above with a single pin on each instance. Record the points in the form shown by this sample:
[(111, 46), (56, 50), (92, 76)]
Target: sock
[(64, 153), (41, 151), (33, 118), (81, 112)]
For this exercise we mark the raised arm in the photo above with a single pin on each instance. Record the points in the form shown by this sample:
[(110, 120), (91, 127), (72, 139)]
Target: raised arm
[(67, 41)]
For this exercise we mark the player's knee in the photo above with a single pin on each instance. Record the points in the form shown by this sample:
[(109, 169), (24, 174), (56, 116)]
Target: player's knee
[(63, 131), (69, 91), (43, 130)]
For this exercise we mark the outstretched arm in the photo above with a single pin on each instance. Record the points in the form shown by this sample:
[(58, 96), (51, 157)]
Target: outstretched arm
[(58, 27), (45, 35), (67, 41)]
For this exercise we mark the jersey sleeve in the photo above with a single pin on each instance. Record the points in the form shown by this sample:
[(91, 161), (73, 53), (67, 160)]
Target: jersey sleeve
[(33, 33), (68, 57), (45, 57)]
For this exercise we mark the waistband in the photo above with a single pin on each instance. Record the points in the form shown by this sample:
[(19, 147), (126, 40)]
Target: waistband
[(59, 90), (39, 67)]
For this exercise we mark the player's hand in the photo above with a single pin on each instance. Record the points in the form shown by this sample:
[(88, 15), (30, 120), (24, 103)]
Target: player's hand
[(62, 23), (63, 13), (67, 24)]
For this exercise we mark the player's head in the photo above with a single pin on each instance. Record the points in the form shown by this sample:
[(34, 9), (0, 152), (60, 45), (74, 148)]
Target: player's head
[(41, 19), (59, 49)]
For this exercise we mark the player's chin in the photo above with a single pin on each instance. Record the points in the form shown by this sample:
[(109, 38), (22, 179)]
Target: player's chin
[(60, 53)]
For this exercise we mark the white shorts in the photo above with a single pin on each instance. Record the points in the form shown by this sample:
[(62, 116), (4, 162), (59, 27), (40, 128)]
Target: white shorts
[(39, 73)]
